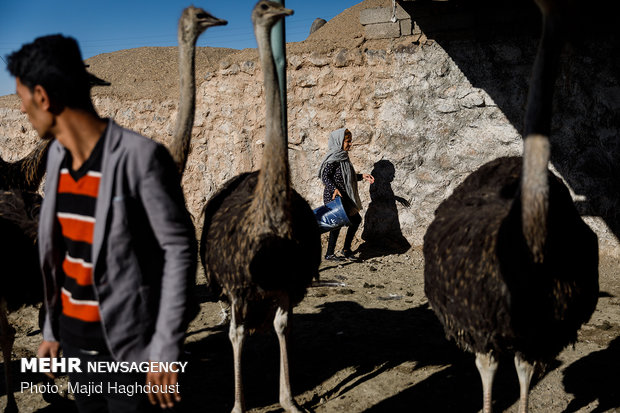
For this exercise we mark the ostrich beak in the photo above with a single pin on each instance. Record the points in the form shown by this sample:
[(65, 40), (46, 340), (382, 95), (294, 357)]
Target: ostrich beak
[(207, 20), (280, 12), (219, 22), (285, 12)]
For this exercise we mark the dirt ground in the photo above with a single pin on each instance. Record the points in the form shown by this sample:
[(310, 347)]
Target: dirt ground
[(367, 341)]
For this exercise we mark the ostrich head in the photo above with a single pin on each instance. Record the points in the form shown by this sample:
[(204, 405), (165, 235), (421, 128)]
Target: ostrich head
[(194, 21), (267, 13)]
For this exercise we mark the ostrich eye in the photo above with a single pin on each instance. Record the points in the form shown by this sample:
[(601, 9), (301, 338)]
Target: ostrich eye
[(202, 15), (264, 6)]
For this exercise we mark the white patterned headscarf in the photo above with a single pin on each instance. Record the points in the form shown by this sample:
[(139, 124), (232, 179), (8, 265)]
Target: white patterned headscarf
[(335, 153)]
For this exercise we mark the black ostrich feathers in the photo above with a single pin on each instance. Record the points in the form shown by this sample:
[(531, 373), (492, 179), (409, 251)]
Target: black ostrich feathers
[(240, 262), (482, 281), (20, 277)]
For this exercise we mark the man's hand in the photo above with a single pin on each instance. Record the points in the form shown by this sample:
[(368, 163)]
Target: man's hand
[(164, 380), (48, 349)]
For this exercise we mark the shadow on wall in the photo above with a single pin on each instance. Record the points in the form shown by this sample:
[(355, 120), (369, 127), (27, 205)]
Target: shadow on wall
[(503, 39), (382, 234)]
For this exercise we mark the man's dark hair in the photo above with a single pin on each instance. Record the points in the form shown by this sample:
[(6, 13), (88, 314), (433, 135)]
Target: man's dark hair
[(55, 63)]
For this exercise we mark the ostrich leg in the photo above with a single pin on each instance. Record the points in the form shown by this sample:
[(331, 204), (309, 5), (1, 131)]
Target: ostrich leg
[(280, 324), (236, 333), (487, 366), (525, 371), (7, 337)]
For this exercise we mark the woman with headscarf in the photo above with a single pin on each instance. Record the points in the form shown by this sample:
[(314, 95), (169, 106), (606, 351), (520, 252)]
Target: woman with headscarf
[(340, 179)]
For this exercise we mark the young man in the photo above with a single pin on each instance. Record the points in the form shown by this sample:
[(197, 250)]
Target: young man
[(117, 246)]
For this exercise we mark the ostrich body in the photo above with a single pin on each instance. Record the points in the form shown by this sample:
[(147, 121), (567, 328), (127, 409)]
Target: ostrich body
[(27, 173), (20, 279), (510, 266), (260, 243), (193, 23)]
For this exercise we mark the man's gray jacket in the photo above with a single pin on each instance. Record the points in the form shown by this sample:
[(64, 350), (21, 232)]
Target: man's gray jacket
[(143, 252)]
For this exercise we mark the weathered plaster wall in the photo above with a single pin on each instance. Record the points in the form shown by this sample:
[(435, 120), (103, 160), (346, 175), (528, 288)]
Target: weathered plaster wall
[(423, 116)]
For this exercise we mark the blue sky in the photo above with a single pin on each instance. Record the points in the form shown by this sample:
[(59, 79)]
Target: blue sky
[(111, 25)]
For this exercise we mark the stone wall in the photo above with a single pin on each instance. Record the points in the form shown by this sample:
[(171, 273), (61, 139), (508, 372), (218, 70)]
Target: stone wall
[(423, 117)]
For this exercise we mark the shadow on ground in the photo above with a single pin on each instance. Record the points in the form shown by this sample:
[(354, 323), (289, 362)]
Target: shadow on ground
[(346, 345), (344, 335), (595, 377)]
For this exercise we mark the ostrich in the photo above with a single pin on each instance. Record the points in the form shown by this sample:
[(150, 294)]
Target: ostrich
[(193, 23), (510, 266), (260, 244), (27, 173), (21, 282)]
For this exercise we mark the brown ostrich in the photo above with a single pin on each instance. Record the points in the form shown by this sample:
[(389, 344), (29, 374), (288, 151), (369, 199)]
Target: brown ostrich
[(510, 266), (260, 243)]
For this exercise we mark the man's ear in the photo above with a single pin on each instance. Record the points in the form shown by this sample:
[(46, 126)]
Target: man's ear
[(40, 96)]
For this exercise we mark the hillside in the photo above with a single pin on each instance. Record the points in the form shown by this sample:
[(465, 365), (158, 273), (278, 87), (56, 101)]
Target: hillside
[(152, 72)]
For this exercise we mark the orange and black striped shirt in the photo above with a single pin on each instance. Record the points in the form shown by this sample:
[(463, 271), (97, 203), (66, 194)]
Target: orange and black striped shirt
[(80, 321)]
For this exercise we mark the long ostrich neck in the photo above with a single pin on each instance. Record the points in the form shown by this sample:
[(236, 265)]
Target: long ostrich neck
[(272, 194), (536, 148), (187, 101)]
